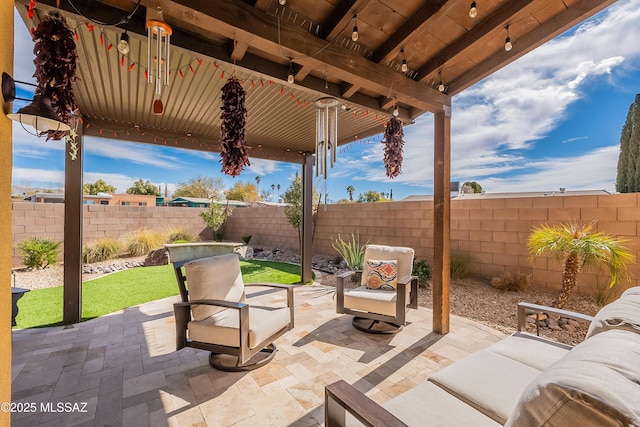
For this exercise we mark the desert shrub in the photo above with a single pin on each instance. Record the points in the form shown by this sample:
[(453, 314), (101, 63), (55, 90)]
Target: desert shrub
[(422, 269), (460, 265), (604, 295), (351, 251), (178, 233), (39, 252), (143, 241), (509, 281), (101, 250)]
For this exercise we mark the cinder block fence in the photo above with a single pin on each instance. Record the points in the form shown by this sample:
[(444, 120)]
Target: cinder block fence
[(493, 231)]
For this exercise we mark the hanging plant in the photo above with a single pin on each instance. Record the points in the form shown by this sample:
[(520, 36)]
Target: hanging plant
[(393, 140), (233, 152), (55, 62)]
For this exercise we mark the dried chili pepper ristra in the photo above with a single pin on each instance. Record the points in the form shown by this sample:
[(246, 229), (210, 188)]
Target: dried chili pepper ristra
[(393, 140), (55, 61), (233, 152)]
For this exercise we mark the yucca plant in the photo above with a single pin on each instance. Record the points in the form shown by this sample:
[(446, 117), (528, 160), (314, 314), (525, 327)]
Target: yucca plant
[(39, 252), (578, 246), (351, 251), (144, 241)]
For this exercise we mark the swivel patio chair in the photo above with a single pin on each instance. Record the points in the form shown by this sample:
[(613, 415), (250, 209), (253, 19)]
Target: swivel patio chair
[(387, 290), (215, 316)]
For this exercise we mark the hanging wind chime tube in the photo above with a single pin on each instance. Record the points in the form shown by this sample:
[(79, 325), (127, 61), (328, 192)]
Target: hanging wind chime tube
[(326, 134), (158, 58)]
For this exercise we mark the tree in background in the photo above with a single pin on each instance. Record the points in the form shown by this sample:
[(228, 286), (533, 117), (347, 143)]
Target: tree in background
[(293, 198), (471, 187), (145, 188), (215, 216), (100, 186), (243, 191), (350, 190), (369, 197), (273, 191), (628, 179), (258, 179), (203, 187)]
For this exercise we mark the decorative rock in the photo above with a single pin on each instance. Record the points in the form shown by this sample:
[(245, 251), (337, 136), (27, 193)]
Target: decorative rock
[(156, 257), (553, 324)]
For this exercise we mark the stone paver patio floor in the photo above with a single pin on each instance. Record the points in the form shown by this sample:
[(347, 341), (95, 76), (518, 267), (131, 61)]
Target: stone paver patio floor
[(122, 369)]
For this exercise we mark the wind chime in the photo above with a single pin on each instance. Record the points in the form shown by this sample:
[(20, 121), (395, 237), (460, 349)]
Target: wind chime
[(326, 134), (158, 44)]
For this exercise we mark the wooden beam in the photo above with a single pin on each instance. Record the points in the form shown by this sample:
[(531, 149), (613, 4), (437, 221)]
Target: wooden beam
[(348, 90), (302, 73), (244, 23), (441, 220), (421, 19), (73, 190), (339, 19), (237, 50), (498, 19), (563, 21)]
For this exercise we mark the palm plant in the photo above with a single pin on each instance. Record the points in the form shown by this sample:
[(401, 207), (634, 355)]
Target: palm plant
[(579, 246), (350, 190)]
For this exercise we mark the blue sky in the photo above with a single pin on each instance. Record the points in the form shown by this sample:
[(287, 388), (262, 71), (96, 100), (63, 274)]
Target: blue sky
[(551, 119)]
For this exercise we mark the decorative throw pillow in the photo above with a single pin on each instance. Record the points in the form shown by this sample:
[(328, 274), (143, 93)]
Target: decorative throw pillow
[(382, 274)]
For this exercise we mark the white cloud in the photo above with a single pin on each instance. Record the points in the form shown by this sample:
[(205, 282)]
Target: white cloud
[(142, 154), (263, 167)]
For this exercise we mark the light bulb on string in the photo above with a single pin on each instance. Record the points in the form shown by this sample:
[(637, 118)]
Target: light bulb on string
[(354, 34), (123, 44), (473, 10), (507, 42), (291, 78), (404, 66), (395, 111), (282, 2), (441, 86)]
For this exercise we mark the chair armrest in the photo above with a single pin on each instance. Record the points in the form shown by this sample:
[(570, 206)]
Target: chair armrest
[(407, 279), (289, 289), (525, 308), (216, 302), (342, 276), (270, 285), (340, 397)]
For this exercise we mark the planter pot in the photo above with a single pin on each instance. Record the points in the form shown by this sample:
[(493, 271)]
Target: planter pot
[(188, 251), (16, 294)]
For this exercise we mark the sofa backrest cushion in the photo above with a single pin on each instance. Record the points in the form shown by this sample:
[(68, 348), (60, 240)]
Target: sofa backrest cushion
[(216, 277), (595, 384), (623, 313)]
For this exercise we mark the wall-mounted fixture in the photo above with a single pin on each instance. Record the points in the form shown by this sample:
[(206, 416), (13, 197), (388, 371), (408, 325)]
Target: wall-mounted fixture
[(38, 114)]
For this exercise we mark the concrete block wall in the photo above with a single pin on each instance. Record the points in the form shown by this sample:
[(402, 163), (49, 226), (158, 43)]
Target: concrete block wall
[(492, 231), (47, 220)]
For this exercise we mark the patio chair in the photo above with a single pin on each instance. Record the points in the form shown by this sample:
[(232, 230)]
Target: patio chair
[(215, 316), (387, 290)]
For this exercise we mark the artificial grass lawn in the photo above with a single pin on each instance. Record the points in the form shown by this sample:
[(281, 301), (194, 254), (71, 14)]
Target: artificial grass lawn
[(43, 307)]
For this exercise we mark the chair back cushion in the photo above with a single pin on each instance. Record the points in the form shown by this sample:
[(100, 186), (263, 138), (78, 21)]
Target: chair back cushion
[(216, 277), (623, 314), (382, 274), (404, 257)]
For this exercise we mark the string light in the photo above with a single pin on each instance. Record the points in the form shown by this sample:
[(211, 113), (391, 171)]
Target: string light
[(290, 78), (282, 2), (123, 44), (507, 42), (354, 34), (395, 111), (441, 86), (404, 66), (473, 10)]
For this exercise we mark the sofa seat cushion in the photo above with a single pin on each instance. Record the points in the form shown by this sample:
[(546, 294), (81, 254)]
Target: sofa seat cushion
[(222, 327), (531, 350), (428, 404), (623, 313), (488, 381), (380, 301), (596, 383)]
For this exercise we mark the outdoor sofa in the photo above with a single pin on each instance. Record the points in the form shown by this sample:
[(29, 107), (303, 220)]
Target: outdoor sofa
[(523, 380)]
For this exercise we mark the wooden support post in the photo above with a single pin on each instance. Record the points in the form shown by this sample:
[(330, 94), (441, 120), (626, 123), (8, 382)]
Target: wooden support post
[(72, 293), (6, 246), (441, 219), (307, 219)]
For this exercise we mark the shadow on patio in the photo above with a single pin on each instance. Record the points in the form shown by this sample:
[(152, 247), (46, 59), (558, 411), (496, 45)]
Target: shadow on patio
[(125, 367)]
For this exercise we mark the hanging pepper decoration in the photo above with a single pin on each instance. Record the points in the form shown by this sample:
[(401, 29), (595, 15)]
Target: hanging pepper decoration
[(55, 63), (393, 140), (233, 152)]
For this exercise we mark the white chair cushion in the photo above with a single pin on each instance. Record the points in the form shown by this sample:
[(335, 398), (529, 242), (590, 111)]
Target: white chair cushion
[(380, 301), (222, 328), (531, 350), (216, 277), (404, 256), (623, 313)]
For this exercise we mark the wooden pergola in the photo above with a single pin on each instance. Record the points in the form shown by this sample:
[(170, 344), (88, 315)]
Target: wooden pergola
[(445, 49)]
